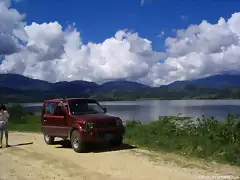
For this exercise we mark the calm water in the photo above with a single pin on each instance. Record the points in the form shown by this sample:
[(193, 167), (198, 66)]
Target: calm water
[(146, 111)]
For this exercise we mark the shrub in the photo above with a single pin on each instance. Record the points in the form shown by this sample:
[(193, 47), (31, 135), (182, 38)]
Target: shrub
[(204, 137), (18, 114), (132, 123)]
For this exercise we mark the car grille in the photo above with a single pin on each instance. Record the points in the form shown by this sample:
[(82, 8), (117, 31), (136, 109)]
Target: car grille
[(106, 124)]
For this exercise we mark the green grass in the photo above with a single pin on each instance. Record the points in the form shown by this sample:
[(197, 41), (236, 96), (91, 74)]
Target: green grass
[(27, 123), (208, 139), (205, 138), (23, 121)]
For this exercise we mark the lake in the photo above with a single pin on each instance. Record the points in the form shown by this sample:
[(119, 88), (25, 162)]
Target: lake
[(150, 110)]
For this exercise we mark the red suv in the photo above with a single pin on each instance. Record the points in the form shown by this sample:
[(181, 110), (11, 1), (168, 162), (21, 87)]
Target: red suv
[(81, 120)]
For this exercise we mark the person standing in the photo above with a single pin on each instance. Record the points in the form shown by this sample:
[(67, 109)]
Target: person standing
[(4, 116)]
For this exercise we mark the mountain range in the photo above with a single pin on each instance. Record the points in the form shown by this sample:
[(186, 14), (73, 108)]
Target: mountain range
[(216, 81), (18, 88)]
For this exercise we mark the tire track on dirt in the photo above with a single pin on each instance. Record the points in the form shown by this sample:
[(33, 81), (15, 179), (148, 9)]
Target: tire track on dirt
[(49, 165)]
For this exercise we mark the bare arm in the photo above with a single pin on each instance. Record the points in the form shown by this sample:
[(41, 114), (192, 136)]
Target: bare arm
[(6, 114)]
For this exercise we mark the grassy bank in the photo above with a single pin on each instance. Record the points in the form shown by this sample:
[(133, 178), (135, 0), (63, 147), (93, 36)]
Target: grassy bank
[(31, 124), (23, 121), (203, 138)]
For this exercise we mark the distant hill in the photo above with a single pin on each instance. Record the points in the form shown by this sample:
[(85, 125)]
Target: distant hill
[(22, 82), (74, 87), (19, 84), (26, 83), (216, 81), (121, 85), (18, 88)]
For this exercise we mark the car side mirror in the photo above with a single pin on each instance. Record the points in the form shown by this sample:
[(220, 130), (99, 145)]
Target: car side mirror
[(105, 110)]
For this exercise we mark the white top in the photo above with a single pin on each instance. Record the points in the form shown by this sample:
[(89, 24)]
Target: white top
[(4, 116)]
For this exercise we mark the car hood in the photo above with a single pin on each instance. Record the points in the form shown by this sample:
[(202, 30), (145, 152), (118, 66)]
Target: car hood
[(95, 117)]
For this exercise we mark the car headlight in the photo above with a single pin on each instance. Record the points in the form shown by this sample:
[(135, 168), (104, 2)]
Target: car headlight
[(90, 125), (119, 122)]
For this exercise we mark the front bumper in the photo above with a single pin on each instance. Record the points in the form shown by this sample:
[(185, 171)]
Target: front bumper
[(99, 135)]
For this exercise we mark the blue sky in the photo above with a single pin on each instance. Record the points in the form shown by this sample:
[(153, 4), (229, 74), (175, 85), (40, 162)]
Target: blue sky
[(98, 20)]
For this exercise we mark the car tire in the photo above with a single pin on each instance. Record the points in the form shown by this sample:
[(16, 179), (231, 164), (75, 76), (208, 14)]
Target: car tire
[(117, 142), (76, 142), (49, 139)]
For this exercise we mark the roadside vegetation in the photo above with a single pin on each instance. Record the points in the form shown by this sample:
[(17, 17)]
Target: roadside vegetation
[(21, 120), (205, 137)]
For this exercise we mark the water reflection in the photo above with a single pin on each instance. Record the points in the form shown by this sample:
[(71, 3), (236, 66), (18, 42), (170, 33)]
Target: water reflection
[(151, 110)]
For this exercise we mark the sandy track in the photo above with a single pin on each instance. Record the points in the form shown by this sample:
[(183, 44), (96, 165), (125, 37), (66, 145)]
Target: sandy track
[(31, 158)]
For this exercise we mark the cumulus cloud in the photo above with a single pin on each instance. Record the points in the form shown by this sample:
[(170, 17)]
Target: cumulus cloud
[(201, 50), (7, 3), (51, 52), (45, 40), (161, 34), (183, 17), (11, 28)]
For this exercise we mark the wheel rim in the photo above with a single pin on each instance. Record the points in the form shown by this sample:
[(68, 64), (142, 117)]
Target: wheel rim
[(75, 142), (47, 138)]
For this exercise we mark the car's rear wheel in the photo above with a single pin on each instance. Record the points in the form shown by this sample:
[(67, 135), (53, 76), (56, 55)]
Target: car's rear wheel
[(49, 139), (76, 142), (117, 142)]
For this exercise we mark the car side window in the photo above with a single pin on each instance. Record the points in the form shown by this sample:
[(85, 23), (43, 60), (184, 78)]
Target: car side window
[(59, 110), (66, 107), (49, 108)]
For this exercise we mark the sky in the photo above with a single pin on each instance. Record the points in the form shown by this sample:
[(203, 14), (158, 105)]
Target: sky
[(154, 42)]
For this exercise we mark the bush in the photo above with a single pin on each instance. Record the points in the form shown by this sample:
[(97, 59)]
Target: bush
[(204, 137), (19, 116), (22, 120), (16, 114), (132, 123), (30, 123)]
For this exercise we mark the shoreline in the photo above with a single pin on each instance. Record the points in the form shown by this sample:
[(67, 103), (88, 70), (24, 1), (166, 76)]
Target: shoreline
[(144, 99)]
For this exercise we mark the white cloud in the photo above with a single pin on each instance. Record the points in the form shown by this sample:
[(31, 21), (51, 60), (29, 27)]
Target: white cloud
[(161, 34), (142, 2), (11, 28), (183, 17), (46, 40), (50, 52), (6, 3), (17, 1), (201, 50), (55, 54)]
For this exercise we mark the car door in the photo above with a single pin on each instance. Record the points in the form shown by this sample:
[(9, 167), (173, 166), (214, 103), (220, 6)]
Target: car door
[(48, 124), (59, 120)]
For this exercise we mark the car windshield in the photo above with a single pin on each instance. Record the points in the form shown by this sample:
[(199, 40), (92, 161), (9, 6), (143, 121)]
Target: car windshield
[(78, 107)]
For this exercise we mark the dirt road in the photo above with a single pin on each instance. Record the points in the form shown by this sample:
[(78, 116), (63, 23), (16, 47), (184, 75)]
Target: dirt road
[(31, 158)]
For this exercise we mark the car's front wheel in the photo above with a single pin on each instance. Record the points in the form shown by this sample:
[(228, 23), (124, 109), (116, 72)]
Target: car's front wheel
[(76, 142), (49, 139)]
